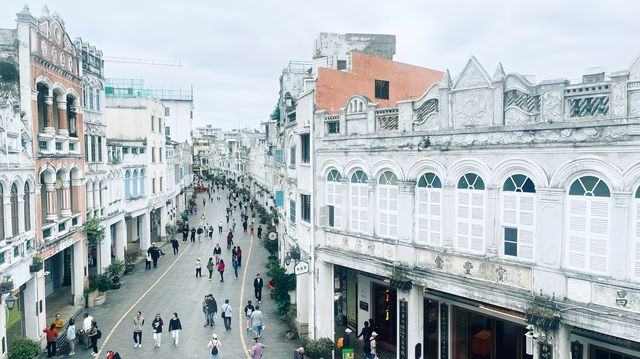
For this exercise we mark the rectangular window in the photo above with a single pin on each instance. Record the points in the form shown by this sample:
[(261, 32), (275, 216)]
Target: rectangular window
[(141, 150), (382, 89), (160, 184), (305, 146), (86, 147), (153, 185), (167, 111), (359, 207), (134, 150), (333, 127), (160, 153), (125, 150), (159, 125), (3, 259), (100, 149), (153, 154), (292, 211), (511, 241), (331, 212), (279, 198), (388, 211), (167, 131), (342, 65), (470, 220), (153, 123), (16, 251), (278, 156), (94, 144), (518, 216), (292, 155), (191, 115), (305, 207)]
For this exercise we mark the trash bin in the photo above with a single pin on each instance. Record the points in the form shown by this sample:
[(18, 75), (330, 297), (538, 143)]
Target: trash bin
[(348, 354)]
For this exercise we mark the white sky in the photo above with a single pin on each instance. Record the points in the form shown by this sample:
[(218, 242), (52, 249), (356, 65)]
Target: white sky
[(233, 52)]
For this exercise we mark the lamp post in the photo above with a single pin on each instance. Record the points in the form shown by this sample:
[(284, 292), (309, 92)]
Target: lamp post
[(10, 301)]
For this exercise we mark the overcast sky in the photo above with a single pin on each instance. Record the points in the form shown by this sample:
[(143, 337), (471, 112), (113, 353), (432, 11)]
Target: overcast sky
[(233, 52)]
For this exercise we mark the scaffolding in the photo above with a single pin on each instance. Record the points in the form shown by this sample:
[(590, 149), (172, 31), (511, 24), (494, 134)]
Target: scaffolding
[(134, 88)]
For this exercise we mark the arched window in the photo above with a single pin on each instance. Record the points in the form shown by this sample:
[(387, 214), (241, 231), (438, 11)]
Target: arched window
[(388, 205), (470, 213), (636, 263), (518, 216), (97, 99), (2, 233), (27, 207), (91, 96), (127, 184), (359, 201), (15, 230), (142, 182), (589, 206), (134, 184), (334, 199), (428, 209)]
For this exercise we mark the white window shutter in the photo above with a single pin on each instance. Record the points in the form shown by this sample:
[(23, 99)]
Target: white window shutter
[(323, 220), (337, 218), (599, 234), (577, 243), (525, 243), (637, 254)]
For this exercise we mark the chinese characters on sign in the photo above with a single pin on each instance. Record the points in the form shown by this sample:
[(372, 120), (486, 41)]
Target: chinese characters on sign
[(403, 329)]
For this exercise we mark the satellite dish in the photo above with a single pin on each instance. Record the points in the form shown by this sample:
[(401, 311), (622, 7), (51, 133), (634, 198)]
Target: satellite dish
[(273, 236)]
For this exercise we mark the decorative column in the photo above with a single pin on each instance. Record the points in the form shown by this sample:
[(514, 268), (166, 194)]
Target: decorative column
[(88, 147), (31, 305), (104, 250), (345, 205), (48, 124), (89, 195), (448, 215), (372, 215), (21, 219), (323, 310), (492, 214), (618, 236), (52, 198), (6, 203), (66, 199), (62, 119), (145, 231), (406, 210), (121, 239), (164, 221), (410, 314)]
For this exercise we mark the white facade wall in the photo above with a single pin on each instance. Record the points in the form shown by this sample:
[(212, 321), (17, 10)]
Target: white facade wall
[(179, 119)]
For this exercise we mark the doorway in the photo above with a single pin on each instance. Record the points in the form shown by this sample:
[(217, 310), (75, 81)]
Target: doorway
[(385, 314)]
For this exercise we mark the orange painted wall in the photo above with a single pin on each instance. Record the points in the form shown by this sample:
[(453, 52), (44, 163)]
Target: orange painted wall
[(334, 87)]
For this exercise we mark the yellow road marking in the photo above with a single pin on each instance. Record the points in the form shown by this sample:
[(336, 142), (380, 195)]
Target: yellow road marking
[(104, 343)]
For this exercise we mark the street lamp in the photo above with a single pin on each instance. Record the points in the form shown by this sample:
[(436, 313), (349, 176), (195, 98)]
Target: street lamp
[(10, 301)]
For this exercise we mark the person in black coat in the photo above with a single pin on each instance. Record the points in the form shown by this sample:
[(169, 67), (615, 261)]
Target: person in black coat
[(185, 234), (193, 235), (258, 283), (174, 328), (155, 253), (175, 245)]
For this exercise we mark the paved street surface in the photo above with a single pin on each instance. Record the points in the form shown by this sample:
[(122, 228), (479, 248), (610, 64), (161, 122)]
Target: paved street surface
[(172, 287)]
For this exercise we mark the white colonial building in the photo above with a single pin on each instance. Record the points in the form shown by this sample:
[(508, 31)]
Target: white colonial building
[(489, 204)]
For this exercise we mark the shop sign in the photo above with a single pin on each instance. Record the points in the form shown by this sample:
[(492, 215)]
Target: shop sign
[(364, 306), (301, 268), (403, 329), (546, 351), (444, 331)]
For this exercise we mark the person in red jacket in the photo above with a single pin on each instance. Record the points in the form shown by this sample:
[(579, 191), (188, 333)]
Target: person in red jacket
[(52, 335), (221, 270)]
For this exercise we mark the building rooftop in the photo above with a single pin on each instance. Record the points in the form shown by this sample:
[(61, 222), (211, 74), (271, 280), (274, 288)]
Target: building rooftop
[(135, 88)]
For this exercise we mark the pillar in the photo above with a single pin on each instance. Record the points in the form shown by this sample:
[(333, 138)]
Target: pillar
[(66, 199), (48, 123), (6, 203), (448, 215), (88, 148), (323, 311), (406, 211), (121, 239), (62, 119), (163, 221), (104, 249), (31, 306), (78, 269), (619, 235), (51, 202), (371, 215), (145, 230), (21, 219), (492, 215), (89, 196), (302, 297), (414, 318)]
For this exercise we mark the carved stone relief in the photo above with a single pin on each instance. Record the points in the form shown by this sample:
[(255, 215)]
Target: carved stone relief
[(472, 77), (634, 103), (619, 99), (514, 116), (552, 106), (472, 108)]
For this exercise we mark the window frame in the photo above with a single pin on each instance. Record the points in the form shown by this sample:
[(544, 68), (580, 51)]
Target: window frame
[(521, 190), (431, 186), (305, 207), (362, 186), (469, 190), (390, 186), (381, 89), (305, 148)]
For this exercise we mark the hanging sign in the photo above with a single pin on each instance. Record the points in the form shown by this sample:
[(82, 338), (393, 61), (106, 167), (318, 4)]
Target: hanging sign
[(301, 268)]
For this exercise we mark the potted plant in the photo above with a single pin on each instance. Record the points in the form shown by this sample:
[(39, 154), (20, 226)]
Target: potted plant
[(24, 348), (6, 284), (113, 272), (36, 264), (543, 315)]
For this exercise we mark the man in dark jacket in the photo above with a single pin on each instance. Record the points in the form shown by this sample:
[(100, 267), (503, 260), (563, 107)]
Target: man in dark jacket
[(257, 286), (155, 254), (175, 245), (212, 309)]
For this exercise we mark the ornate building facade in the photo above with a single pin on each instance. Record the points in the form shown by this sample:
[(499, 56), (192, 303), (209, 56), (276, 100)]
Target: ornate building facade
[(491, 215)]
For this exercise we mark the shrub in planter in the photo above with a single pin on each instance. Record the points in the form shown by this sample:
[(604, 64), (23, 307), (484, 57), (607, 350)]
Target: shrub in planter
[(24, 348), (36, 264), (316, 349)]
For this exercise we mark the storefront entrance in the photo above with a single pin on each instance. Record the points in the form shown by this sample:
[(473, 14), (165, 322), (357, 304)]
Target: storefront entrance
[(596, 352), (478, 336), (385, 304), (430, 339)]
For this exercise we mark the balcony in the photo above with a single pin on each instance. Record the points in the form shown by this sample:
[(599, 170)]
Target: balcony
[(58, 145), (61, 227)]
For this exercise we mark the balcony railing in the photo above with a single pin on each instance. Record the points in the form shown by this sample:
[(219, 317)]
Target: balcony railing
[(63, 226)]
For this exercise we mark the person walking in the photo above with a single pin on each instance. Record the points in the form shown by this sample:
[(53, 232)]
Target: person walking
[(234, 264), (211, 232), (226, 311), (185, 233), (138, 324), (86, 327), (193, 235), (94, 335), (212, 309), (220, 227), (257, 349), (233, 225), (251, 230), (52, 335), (372, 347), (248, 309), (214, 347), (217, 252), (229, 240), (205, 301), (71, 336), (175, 245), (258, 283), (299, 353), (157, 324), (210, 267), (239, 256), (155, 254), (221, 270), (244, 226), (174, 328), (198, 268), (365, 333), (199, 232), (257, 321), (57, 320), (259, 232)]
